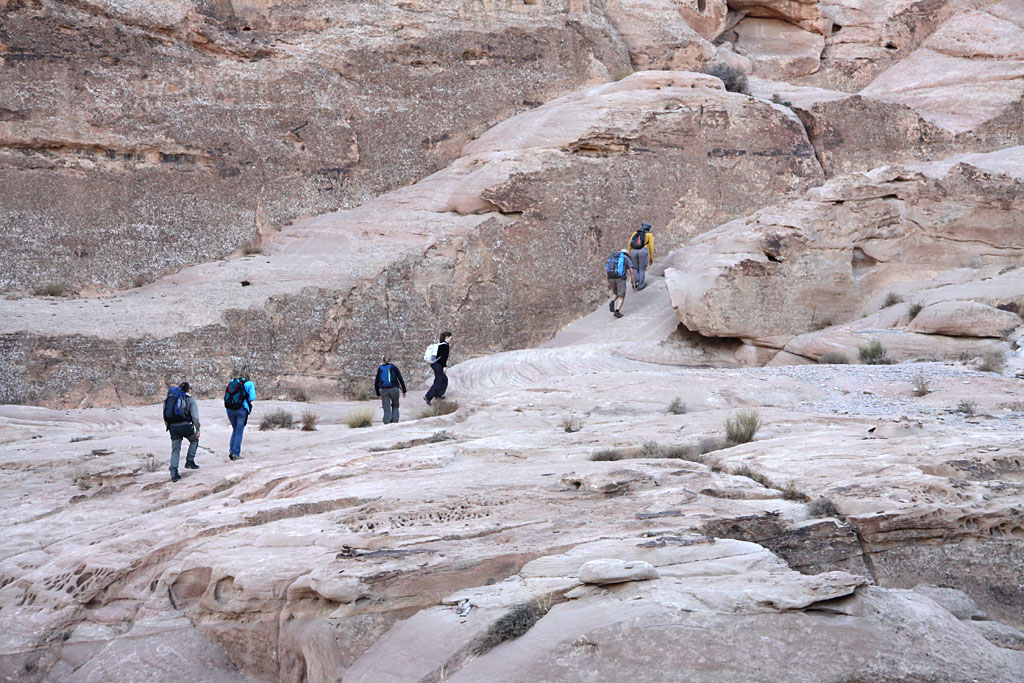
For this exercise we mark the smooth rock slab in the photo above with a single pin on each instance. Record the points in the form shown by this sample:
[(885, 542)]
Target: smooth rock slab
[(602, 572)]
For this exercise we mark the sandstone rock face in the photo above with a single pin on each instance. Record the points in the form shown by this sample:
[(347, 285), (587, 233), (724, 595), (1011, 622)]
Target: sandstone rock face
[(807, 14), (603, 572), (778, 49), (138, 137), (668, 34), (544, 196), (832, 256)]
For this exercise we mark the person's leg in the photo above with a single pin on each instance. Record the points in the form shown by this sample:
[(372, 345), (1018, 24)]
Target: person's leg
[(611, 288), (641, 267), (233, 445), (620, 295), (634, 257), (193, 446), (435, 388), (396, 394), (175, 450), (385, 403)]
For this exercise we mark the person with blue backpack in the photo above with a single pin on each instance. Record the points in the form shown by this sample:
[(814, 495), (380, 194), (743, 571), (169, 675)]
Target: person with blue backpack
[(181, 417), (617, 267), (238, 399), (385, 385)]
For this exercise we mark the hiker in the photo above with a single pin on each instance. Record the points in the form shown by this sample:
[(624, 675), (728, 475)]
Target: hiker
[(437, 356), (181, 417), (238, 399), (617, 267), (385, 385), (641, 253)]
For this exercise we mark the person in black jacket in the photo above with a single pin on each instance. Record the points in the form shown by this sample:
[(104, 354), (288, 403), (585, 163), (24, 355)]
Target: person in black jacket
[(440, 385), (385, 385)]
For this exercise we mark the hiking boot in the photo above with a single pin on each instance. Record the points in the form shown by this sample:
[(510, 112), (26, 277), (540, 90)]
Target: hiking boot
[(611, 305), (427, 400), (641, 285), (191, 465), (174, 474), (234, 456), (618, 314)]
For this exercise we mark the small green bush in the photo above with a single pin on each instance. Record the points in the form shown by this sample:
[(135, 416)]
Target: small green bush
[(891, 299), (677, 406), (914, 308), (993, 360), (833, 358), (743, 426), (791, 492), (277, 419), (734, 79), (967, 407), (821, 507), (874, 354), (362, 417)]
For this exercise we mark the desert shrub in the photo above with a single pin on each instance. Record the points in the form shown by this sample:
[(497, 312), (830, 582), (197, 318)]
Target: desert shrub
[(920, 383), (745, 471), (649, 449), (358, 392), (891, 299), (251, 248), (677, 406), (741, 427), (821, 507), (791, 492), (277, 419), (709, 444), (440, 406), (359, 418), (298, 394), (50, 289), (571, 423), (993, 360), (833, 358), (874, 354), (512, 624), (734, 79), (605, 454), (966, 407), (141, 280), (914, 308), (309, 421)]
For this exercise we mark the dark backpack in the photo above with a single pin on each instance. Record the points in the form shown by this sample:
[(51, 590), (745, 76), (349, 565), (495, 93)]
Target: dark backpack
[(616, 265), (639, 240), (234, 395), (387, 376), (176, 406)]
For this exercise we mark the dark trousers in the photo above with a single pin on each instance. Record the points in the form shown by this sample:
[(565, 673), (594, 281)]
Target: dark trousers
[(389, 401), (440, 384), (178, 432)]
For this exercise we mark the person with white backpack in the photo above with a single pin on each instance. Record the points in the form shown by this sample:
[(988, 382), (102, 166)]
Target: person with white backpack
[(437, 356)]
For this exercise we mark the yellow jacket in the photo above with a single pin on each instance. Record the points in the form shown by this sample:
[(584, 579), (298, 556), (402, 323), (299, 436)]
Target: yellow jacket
[(648, 244)]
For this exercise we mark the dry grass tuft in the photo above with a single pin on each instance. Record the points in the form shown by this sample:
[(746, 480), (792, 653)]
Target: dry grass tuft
[(874, 354), (967, 407), (743, 426), (278, 419), (993, 360), (362, 417), (571, 423), (833, 358), (822, 507), (921, 387), (791, 492), (677, 406), (440, 406), (50, 289), (914, 308), (891, 299), (309, 421), (745, 471)]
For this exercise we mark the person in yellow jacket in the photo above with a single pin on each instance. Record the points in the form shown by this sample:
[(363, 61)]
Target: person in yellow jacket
[(641, 253)]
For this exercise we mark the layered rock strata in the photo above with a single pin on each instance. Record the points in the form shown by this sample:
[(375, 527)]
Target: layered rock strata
[(504, 246)]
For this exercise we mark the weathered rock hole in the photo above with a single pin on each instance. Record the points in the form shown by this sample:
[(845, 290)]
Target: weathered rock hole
[(192, 583), (246, 283)]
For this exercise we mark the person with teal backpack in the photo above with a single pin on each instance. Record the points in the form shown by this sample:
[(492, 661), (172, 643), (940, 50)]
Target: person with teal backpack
[(617, 267), (238, 399), (385, 385)]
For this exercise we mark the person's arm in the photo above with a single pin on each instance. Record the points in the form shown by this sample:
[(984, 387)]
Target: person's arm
[(250, 392), (632, 275), (442, 354), (193, 413), (629, 242), (650, 247), (401, 381), (376, 383)]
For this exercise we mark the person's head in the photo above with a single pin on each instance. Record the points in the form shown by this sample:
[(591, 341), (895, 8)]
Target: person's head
[(384, 360), (625, 251), (243, 372), (445, 336), (184, 386), (645, 227)]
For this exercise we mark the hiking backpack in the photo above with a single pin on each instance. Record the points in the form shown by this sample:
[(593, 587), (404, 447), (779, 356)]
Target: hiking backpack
[(176, 406), (430, 355), (387, 376), (235, 394), (616, 265), (638, 240)]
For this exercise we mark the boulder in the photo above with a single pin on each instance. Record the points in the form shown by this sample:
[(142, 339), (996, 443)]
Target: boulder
[(778, 49), (601, 572), (964, 319), (958, 603), (1000, 635), (807, 14)]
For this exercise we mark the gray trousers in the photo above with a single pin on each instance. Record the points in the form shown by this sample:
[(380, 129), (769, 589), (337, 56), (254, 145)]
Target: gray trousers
[(389, 400), (639, 257), (179, 432)]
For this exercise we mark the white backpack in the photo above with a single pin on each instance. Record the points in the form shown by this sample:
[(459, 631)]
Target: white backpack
[(430, 355)]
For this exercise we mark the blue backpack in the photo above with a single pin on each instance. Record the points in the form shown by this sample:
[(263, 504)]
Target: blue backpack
[(387, 376), (616, 265), (176, 406)]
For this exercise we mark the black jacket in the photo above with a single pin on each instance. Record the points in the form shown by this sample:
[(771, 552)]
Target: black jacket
[(442, 354), (398, 376)]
